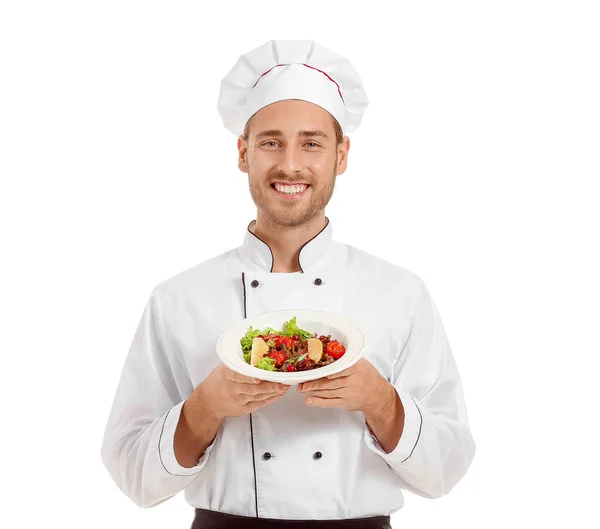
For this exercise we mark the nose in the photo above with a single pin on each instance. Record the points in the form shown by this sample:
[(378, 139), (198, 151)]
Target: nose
[(290, 161)]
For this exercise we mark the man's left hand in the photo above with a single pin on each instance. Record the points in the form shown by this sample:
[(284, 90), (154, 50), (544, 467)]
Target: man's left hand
[(358, 388)]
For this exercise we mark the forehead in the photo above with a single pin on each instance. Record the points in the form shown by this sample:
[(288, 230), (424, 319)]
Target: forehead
[(292, 115)]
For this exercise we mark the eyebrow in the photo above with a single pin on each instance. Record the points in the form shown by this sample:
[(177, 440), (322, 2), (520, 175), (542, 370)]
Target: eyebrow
[(302, 133)]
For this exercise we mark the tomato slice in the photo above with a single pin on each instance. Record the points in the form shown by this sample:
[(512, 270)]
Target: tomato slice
[(284, 340), (335, 349), (278, 356)]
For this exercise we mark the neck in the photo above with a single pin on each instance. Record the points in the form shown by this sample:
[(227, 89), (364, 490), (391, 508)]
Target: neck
[(285, 241)]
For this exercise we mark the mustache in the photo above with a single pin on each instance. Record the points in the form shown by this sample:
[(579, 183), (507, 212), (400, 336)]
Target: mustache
[(282, 177)]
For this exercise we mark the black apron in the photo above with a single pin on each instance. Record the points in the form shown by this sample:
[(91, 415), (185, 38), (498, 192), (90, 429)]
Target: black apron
[(205, 519)]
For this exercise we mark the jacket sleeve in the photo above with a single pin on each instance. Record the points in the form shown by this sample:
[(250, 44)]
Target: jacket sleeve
[(137, 448), (436, 447)]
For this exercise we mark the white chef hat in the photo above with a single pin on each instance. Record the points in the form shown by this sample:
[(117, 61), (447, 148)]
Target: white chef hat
[(292, 69)]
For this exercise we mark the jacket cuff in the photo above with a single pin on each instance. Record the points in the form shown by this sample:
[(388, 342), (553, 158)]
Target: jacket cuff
[(166, 447), (413, 424)]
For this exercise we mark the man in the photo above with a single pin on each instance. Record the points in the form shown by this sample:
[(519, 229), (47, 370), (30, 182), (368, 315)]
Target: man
[(334, 452)]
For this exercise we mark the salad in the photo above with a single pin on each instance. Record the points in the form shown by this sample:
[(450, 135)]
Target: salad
[(291, 349)]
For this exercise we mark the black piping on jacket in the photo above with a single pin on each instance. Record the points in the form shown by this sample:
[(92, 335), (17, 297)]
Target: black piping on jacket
[(245, 315), (273, 258), (250, 415)]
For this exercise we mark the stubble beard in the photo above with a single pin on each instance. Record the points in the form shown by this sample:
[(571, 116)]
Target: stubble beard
[(290, 214)]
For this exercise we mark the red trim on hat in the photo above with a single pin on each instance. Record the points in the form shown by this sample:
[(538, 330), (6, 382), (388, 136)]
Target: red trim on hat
[(266, 74), (313, 68), (338, 86)]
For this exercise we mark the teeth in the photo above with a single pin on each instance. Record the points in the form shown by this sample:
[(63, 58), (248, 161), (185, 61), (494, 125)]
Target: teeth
[(290, 190)]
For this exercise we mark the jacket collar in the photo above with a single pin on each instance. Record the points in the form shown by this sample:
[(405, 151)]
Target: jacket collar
[(259, 252)]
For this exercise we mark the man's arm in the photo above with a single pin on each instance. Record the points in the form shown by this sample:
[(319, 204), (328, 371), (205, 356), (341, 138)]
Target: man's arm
[(387, 421), (426, 440), (224, 393), (417, 423), (138, 444), (193, 436)]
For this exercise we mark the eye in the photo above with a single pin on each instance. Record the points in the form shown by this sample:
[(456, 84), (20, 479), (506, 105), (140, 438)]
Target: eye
[(313, 144), (270, 143)]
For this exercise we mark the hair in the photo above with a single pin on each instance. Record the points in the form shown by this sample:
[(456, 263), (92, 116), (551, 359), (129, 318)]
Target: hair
[(339, 134)]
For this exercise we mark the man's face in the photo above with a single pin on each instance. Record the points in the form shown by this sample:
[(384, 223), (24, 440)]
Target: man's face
[(292, 142)]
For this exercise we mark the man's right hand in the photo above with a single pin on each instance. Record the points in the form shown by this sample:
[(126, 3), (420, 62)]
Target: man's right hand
[(225, 393)]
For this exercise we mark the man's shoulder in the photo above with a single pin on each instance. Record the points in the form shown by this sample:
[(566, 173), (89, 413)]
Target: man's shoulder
[(379, 268), (196, 278)]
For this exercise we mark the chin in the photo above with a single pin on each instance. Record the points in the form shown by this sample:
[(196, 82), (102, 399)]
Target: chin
[(291, 220), (287, 222)]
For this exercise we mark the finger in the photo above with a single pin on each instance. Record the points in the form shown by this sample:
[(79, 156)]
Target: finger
[(325, 393), (256, 404), (322, 383), (263, 387), (318, 402), (259, 397), (246, 389), (272, 386), (345, 373), (243, 379)]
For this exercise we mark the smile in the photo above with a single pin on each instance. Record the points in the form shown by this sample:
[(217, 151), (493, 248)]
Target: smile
[(294, 190)]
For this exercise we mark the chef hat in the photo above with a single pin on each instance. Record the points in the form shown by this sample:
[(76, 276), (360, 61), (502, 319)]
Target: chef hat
[(292, 69)]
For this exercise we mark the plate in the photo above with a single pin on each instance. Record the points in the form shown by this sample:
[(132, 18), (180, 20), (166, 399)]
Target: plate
[(341, 328)]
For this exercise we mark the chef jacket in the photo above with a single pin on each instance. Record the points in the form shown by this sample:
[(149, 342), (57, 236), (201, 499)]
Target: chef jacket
[(289, 460)]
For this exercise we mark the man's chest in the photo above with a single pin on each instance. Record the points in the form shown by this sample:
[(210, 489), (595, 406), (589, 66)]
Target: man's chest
[(196, 320)]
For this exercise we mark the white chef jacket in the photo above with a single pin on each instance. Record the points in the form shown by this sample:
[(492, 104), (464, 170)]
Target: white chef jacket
[(289, 460)]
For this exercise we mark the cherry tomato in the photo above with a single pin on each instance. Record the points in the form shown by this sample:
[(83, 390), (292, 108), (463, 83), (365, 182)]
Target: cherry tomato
[(278, 356), (284, 340), (335, 349)]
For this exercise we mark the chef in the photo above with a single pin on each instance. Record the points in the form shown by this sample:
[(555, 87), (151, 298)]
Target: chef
[(339, 451)]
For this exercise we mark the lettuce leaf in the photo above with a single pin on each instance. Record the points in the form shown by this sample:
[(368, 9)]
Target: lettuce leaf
[(267, 363), (291, 328), (246, 340)]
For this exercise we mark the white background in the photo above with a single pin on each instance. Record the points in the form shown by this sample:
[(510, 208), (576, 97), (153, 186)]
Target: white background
[(476, 167)]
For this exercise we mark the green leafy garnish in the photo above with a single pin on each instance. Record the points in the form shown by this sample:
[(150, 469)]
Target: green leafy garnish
[(246, 340), (267, 363), (297, 359), (291, 328)]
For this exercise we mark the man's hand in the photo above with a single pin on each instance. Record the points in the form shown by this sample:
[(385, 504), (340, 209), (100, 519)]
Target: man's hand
[(225, 393), (361, 388)]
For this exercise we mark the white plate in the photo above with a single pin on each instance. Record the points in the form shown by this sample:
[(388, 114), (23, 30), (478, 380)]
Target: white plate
[(342, 329)]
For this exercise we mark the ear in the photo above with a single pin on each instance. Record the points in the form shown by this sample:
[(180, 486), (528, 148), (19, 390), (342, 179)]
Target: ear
[(242, 154), (342, 153)]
